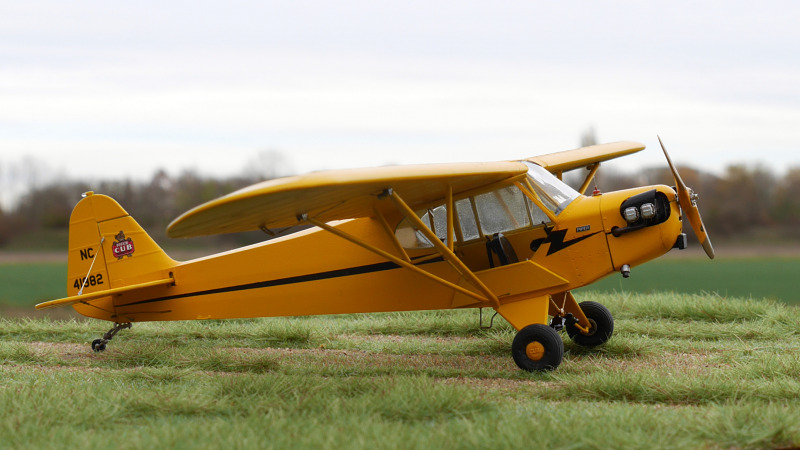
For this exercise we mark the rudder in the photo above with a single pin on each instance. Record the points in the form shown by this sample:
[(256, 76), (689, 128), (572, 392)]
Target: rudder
[(109, 249)]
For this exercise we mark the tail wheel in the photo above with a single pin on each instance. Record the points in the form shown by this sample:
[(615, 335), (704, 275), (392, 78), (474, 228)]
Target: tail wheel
[(537, 348), (98, 345), (602, 326)]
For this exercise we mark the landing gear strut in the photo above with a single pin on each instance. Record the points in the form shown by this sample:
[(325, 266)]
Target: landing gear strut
[(99, 345)]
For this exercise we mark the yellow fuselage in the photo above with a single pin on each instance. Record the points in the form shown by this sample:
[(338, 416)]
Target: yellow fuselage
[(316, 272)]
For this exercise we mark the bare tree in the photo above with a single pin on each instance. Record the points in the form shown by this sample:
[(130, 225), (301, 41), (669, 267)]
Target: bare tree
[(588, 137), (268, 164)]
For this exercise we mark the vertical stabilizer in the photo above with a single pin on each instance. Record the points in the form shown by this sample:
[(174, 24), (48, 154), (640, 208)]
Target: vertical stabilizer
[(108, 249)]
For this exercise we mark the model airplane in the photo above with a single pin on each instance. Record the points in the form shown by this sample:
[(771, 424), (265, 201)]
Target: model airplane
[(506, 235)]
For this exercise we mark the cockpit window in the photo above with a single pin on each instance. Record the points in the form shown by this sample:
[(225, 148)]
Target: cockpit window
[(466, 218), (501, 210), (554, 193)]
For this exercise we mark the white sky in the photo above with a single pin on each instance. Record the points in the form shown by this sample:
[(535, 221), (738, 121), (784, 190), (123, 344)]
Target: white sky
[(105, 90)]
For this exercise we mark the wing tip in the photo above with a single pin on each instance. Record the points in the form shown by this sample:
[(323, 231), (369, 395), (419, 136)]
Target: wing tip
[(567, 160)]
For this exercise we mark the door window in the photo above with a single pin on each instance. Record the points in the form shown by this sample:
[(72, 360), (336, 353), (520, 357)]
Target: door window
[(498, 211)]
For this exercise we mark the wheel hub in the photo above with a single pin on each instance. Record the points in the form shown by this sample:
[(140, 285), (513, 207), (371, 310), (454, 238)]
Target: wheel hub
[(534, 351), (592, 328)]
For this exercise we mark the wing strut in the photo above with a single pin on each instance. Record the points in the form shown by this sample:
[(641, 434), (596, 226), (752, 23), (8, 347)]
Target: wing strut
[(390, 257), (445, 250), (389, 233), (531, 194), (592, 172)]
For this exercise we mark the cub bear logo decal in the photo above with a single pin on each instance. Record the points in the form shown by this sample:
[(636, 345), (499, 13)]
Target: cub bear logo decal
[(122, 247)]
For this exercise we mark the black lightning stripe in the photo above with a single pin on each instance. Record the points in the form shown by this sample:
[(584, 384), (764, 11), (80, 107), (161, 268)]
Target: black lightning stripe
[(284, 281), (557, 243)]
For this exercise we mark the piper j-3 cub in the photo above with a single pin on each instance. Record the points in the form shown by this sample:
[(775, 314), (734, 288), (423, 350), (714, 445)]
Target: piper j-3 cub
[(504, 235)]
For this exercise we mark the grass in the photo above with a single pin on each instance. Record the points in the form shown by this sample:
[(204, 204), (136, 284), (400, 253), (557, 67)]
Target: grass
[(29, 283), (695, 371), (735, 277)]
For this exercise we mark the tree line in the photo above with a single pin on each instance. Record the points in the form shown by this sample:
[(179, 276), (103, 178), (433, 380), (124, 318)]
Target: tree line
[(153, 203), (743, 201)]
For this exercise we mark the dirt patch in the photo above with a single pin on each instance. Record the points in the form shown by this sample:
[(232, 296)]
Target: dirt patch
[(398, 338), (498, 384), (358, 360), (493, 373), (62, 348)]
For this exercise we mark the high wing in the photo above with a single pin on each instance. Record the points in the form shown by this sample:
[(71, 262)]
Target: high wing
[(349, 194), (565, 161), (335, 195)]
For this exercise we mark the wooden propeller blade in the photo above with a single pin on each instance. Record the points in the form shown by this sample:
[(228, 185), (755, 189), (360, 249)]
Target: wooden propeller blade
[(689, 206)]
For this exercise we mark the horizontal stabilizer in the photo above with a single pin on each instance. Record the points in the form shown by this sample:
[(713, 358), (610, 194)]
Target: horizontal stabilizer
[(68, 301)]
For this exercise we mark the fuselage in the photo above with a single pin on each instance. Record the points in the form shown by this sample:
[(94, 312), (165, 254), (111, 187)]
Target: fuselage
[(316, 272)]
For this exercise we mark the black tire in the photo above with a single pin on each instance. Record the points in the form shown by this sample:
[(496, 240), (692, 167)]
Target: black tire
[(537, 348), (98, 345), (602, 326)]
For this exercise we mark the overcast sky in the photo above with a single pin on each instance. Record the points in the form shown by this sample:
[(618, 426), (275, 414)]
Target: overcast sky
[(104, 89)]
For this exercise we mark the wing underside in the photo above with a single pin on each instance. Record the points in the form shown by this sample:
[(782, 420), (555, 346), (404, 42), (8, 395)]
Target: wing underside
[(335, 195), (350, 194)]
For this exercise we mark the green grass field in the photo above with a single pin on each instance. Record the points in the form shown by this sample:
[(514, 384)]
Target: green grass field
[(681, 371), (708, 365), (763, 277), (29, 283)]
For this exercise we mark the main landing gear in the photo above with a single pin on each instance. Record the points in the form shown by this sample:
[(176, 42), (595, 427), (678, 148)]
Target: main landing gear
[(539, 347), (99, 345), (602, 326)]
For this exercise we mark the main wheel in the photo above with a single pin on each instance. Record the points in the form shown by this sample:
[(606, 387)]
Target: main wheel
[(98, 345), (602, 326), (537, 348)]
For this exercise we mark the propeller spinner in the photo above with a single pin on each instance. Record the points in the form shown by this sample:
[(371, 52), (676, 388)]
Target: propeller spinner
[(688, 201)]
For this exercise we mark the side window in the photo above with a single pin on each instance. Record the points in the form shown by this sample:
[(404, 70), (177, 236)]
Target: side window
[(435, 219), (502, 210), (466, 217), (409, 237), (439, 216), (539, 217)]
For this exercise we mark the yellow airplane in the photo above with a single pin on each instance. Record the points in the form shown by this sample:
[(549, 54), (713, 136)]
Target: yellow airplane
[(504, 235)]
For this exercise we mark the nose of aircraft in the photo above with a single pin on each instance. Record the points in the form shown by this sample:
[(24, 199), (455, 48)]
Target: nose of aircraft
[(641, 224), (688, 201)]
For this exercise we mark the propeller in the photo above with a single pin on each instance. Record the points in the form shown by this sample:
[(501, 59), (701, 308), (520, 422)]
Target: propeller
[(688, 201)]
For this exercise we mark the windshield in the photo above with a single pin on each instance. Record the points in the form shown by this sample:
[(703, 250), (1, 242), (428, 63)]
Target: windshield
[(554, 193)]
